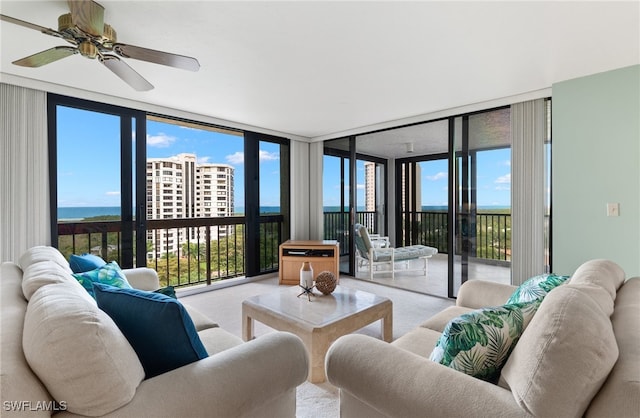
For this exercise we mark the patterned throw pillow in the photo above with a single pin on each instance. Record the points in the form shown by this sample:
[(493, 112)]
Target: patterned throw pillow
[(536, 287), (110, 274), (478, 343), (85, 262)]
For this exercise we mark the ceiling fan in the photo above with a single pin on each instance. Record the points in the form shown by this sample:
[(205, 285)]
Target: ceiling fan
[(85, 29)]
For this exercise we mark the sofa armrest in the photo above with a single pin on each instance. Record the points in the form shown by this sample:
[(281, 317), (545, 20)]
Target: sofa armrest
[(398, 383), (476, 294), (142, 278), (234, 382)]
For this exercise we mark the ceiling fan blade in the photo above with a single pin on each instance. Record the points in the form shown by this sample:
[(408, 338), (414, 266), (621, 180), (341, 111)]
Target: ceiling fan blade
[(87, 15), (46, 57), (157, 57), (29, 25), (125, 72)]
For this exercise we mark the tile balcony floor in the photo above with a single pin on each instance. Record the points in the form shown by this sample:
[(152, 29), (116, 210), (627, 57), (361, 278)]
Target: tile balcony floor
[(436, 282)]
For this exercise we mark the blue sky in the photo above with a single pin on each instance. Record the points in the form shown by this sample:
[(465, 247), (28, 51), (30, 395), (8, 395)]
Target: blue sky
[(95, 180), (493, 188)]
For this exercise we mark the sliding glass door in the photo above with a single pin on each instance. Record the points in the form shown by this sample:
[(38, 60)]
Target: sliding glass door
[(482, 201)]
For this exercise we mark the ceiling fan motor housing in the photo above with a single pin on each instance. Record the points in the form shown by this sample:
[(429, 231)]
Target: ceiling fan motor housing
[(88, 45)]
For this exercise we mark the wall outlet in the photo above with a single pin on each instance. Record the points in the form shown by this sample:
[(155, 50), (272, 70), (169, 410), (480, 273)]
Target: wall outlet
[(613, 209)]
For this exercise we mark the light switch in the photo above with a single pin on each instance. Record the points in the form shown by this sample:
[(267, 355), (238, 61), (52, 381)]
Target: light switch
[(613, 209)]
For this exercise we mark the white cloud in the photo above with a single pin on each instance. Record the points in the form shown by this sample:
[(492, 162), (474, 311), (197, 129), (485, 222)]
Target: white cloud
[(113, 193), (360, 186), (268, 156), (203, 160), (503, 188), (161, 140), (439, 176), (236, 158), (506, 179), (507, 163)]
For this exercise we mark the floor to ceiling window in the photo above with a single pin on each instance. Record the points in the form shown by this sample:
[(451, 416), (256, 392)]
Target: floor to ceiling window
[(452, 190), (482, 215), (199, 203)]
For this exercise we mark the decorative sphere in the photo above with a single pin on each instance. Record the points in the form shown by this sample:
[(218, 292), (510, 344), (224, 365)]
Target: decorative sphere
[(326, 282)]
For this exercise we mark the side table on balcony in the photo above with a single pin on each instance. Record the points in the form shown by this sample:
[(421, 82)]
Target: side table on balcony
[(324, 255)]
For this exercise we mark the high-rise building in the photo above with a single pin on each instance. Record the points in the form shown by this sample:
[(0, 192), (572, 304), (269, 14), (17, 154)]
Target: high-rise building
[(370, 186), (180, 187)]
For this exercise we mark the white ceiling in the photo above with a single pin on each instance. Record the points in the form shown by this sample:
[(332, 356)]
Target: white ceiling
[(321, 69)]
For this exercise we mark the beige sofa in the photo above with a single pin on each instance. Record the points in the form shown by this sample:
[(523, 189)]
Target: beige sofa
[(579, 356), (85, 363)]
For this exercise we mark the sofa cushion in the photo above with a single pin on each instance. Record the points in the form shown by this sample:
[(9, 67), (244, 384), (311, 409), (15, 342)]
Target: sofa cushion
[(623, 383), (78, 352), (536, 287), (109, 274), (440, 320), (479, 342), (216, 340), (42, 273), (564, 356), (418, 341), (43, 253), (157, 326), (602, 273), (19, 383), (85, 262)]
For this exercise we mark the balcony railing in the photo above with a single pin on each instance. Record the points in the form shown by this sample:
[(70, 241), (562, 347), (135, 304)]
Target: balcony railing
[(193, 251), (184, 252), (492, 239)]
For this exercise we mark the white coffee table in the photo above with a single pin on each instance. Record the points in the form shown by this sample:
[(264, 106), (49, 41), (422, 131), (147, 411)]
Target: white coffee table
[(319, 322)]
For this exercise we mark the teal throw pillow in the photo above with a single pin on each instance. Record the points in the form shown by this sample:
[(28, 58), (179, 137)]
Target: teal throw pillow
[(110, 274), (85, 262), (478, 343), (168, 291), (157, 326), (536, 287)]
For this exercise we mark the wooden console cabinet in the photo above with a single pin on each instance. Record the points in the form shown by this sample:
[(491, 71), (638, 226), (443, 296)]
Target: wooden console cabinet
[(323, 255)]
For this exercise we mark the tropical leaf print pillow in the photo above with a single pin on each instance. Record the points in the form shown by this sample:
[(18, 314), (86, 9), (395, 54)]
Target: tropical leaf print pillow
[(478, 343), (110, 274), (536, 287)]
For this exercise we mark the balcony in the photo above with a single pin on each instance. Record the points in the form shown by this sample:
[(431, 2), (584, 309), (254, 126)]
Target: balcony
[(184, 252), (490, 242), (197, 251)]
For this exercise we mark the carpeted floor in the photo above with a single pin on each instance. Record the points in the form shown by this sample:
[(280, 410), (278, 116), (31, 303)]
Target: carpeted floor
[(316, 400)]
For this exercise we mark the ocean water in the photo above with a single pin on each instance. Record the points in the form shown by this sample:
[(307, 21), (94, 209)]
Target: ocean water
[(68, 213), (76, 213)]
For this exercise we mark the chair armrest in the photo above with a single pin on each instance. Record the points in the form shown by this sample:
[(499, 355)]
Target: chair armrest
[(398, 383), (476, 294), (142, 278), (234, 382)]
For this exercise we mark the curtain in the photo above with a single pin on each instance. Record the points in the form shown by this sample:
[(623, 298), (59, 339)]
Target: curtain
[(24, 203), (316, 210), (528, 124)]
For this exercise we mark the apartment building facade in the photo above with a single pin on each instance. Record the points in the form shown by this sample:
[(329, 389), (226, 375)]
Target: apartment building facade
[(180, 187)]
